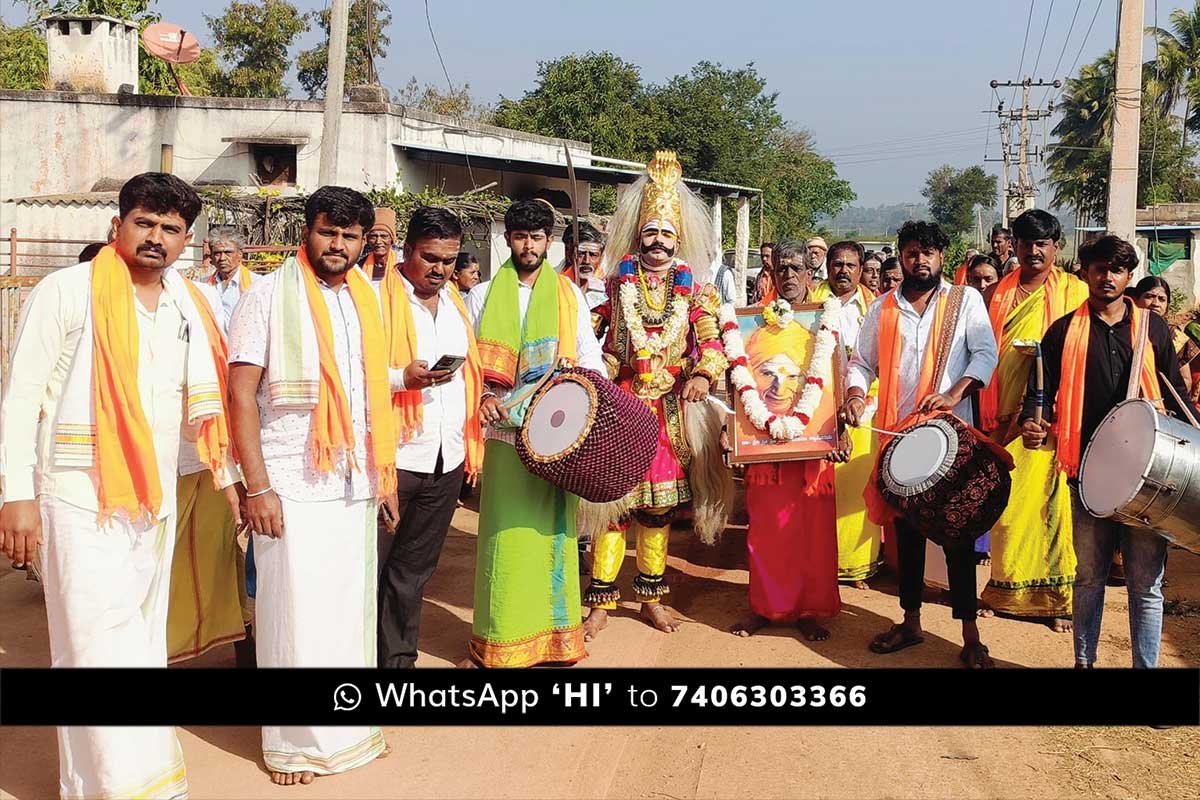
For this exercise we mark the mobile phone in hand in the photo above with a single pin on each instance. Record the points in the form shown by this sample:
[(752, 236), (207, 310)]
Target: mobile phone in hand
[(448, 364)]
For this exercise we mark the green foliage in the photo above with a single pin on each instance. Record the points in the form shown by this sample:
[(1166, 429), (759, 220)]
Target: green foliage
[(458, 103), (954, 256), (253, 39), (953, 195), (313, 64), (202, 77), (723, 123), (22, 58)]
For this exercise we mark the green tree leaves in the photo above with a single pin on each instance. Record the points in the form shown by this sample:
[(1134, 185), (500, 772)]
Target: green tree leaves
[(953, 195), (253, 39), (313, 64)]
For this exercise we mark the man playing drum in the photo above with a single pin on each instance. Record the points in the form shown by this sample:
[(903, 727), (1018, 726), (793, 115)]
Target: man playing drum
[(1088, 358), (1033, 562), (902, 337)]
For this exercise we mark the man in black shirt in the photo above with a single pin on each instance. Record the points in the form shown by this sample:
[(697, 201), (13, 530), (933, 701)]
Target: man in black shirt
[(1108, 265)]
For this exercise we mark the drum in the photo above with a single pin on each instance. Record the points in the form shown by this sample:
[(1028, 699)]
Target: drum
[(1142, 468), (942, 478), (587, 436)]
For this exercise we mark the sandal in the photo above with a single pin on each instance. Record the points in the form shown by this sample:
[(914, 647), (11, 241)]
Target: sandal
[(907, 639), (975, 656)]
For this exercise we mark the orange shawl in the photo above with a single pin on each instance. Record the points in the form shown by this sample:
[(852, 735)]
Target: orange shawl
[(960, 275), (1070, 384), (1004, 300), (407, 406), (244, 278), (890, 350), (214, 448), (332, 426)]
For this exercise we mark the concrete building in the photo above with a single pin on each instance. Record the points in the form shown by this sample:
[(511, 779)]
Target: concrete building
[(1168, 241)]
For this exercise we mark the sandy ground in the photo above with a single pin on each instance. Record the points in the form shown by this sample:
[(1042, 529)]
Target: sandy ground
[(709, 589)]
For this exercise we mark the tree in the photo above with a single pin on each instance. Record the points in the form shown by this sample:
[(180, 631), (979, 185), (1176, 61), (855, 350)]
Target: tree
[(23, 59), (203, 77), (254, 39), (457, 103), (953, 195), (802, 186), (313, 64), (1175, 74)]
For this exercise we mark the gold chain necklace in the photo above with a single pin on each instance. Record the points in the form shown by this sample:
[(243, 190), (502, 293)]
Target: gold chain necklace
[(653, 306)]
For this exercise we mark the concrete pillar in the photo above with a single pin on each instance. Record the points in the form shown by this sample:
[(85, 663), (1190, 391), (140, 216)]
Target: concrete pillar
[(741, 246), (716, 232), (1123, 174)]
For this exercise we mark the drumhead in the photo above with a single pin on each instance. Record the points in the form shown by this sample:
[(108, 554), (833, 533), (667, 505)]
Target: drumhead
[(919, 455), (1115, 462), (559, 419)]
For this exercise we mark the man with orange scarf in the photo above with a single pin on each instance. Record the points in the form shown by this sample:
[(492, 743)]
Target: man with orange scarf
[(899, 344), (314, 429), (437, 411), (111, 361), (1033, 563), (1089, 356)]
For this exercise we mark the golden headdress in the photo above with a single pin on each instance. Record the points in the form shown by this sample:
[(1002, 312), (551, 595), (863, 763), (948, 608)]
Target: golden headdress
[(660, 199)]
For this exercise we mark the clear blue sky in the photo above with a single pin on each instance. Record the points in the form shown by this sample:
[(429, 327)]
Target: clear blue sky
[(890, 90)]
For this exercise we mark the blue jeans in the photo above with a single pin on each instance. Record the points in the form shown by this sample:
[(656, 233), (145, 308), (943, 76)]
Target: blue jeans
[(1145, 555)]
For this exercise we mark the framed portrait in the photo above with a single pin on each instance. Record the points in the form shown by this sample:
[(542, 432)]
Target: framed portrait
[(780, 360)]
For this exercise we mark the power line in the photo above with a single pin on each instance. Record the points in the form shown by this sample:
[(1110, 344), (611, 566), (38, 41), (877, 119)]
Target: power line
[(1045, 29), (1025, 44), (1082, 45), (1063, 50), (450, 84)]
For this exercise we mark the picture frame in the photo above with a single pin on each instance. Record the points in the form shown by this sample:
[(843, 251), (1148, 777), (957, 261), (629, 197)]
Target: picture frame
[(750, 445)]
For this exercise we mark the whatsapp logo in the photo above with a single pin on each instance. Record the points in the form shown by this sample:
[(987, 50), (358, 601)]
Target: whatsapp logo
[(346, 697)]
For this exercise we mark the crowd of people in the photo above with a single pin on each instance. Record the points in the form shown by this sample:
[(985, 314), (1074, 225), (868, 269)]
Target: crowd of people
[(150, 422)]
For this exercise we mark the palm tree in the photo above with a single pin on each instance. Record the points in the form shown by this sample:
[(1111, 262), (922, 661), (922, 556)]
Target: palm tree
[(1175, 74), (1077, 163)]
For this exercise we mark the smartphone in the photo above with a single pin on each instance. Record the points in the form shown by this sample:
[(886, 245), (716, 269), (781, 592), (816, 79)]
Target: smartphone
[(448, 363)]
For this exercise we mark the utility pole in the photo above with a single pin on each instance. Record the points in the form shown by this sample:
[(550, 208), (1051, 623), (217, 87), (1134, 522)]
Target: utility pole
[(1123, 172), (335, 89), (1021, 195)]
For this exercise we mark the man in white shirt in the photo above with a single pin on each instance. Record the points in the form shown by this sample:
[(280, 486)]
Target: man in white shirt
[(122, 328), (230, 278), (432, 458), (526, 609), (582, 263), (901, 325), (816, 253)]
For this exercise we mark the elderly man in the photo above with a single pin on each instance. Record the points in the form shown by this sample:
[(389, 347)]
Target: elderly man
[(816, 256), (229, 277), (582, 263), (381, 242)]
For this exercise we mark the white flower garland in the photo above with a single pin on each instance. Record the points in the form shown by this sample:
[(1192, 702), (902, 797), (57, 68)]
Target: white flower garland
[(791, 426), (672, 327)]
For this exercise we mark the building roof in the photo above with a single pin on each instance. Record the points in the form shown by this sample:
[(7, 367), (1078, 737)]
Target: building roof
[(68, 199)]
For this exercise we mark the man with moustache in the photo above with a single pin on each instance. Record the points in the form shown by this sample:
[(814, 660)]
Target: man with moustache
[(860, 541), (897, 345), (1002, 249), (664, 347), (582, 265), (441, 440), (230, 277), (313, 426), (381, 246), (817, 250), (112, 363), (890, 275), (529, 319)]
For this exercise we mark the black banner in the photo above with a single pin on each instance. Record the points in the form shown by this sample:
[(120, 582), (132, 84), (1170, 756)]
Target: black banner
[(599, 697)]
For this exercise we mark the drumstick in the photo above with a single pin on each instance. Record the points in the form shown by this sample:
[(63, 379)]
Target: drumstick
[(1182, 405), (1033, 347)]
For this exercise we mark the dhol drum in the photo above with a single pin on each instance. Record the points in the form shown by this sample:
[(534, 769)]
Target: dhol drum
[(587, 436), (944, 479), (1142, 468)]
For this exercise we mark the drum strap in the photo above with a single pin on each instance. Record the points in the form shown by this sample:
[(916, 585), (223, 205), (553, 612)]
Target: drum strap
[(1135, 366), (946, 334)]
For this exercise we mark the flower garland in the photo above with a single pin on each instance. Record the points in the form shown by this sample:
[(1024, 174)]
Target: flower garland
[(645, 344), (779, 313)]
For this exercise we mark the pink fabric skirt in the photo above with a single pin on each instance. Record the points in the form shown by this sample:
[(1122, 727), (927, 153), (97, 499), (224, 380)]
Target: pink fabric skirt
[(792, 543)]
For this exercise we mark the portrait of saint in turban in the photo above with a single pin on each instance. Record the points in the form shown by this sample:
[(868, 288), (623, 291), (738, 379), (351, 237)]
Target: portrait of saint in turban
[(778, 359)]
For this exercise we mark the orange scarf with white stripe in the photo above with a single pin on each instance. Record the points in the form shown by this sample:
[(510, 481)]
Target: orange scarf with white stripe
[(332, 428), (1074, 371), (890, 353), (214, 450), (408, 406)]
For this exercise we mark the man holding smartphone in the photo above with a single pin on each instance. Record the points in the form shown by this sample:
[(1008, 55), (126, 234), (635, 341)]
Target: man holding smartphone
[(437, 384)]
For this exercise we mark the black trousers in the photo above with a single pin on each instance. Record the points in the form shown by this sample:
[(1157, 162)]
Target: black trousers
[(427, 503), (960, 569)]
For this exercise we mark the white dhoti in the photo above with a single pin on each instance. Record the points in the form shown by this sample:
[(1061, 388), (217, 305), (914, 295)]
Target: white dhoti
[(315, 607), (106, 604)]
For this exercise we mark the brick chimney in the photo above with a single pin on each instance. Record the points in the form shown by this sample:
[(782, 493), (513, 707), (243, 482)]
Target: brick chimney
[(94, 54)]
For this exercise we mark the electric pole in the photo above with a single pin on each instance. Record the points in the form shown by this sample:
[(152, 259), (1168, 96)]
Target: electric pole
[(335, 88), (1123, 173), (1021, 195)]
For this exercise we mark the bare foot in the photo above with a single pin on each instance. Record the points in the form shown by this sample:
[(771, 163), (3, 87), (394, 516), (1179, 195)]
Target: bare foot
[(860, 585), (387, 751), (983, 611), (1060, 625), (597, 620), (660, 617), (986, 561), (812, 630), (291, 778), (468, 663), (750, 625)]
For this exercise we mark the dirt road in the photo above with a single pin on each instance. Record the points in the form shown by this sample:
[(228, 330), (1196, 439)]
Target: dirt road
[(709, 588)]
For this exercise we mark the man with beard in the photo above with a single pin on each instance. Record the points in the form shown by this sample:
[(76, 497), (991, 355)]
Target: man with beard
[(1090, 356), (1033, 563), (582, 265), (901, 339), (817, 250), (313, 427), (529, 319), (792, 540), (381, 245), (1002, 249), (664, 347), (860, 541), (112, 364)]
